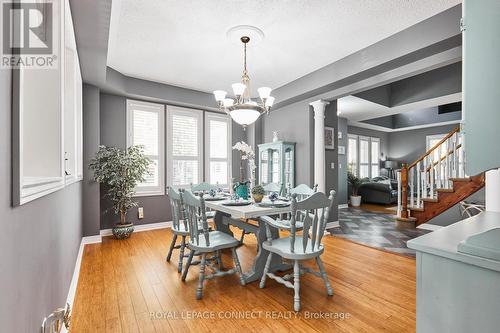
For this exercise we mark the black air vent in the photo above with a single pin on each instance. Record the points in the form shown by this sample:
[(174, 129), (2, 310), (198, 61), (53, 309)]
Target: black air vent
[(452, 107)]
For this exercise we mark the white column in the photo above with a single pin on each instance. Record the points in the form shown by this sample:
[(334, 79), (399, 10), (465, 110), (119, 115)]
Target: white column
[(492, 190), (319, 143)]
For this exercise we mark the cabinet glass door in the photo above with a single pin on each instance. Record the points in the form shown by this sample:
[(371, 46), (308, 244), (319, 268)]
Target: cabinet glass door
[(264, 167), (275, 174), (288, 166)]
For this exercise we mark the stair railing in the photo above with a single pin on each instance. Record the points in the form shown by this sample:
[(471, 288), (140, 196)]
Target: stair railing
[(420, 180)]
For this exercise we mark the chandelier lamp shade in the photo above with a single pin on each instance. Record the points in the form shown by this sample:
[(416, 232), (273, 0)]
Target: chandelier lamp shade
[(242, 109)]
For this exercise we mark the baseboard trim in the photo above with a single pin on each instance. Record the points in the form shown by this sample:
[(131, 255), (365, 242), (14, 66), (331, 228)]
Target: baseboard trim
[(92, 239), (428, 226), (141, 227), (331, 225), (342, 206), (76, 271)]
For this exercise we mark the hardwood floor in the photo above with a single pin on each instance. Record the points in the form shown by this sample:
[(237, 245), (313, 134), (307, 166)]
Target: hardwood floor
[(122, 282)]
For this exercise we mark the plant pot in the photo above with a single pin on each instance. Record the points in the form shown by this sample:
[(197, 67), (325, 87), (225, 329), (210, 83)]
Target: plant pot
[(355, 200), (123, 231), (257, 197), (241, 190)]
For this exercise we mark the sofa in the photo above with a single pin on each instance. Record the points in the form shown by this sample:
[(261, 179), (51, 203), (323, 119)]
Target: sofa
[(379, 190)]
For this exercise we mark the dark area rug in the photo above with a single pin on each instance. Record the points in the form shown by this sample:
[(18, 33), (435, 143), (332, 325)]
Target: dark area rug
[(376, 230)]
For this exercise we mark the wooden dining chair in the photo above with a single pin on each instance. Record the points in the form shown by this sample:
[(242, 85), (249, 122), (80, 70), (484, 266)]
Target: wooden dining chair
[(303, 191), (203, 241), (274, 187), (179, 226), (300, 247), (205, 188)]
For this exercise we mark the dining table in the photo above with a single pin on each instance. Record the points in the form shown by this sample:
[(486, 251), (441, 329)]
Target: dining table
[(239, 216)]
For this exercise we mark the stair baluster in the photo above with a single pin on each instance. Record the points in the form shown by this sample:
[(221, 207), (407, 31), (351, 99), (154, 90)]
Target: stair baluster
[(418, 184)]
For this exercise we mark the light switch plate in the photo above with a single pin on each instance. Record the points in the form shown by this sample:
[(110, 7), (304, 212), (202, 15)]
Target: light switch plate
[(332, 165), (140, 212)]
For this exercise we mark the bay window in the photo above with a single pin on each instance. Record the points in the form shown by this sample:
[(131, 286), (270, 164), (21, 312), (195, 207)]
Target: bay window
[(184, 153), (217, 149), (145, 126)]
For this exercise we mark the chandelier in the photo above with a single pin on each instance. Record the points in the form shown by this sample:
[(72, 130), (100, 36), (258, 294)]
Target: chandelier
[(242, 108)]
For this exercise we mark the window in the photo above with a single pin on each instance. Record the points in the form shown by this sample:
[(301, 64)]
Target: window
[(375, 153), (352, 154), (217, 149), (363, 156), (185, 159), (145, 126)]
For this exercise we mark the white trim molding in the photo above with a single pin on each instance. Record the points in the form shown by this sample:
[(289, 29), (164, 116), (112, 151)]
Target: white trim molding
[(431, 227), (141, 227), (333, 224)]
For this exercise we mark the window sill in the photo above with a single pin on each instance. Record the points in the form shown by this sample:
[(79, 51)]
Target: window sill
[(149, 194)]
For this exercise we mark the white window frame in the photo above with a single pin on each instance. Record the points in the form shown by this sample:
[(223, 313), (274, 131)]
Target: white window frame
[(370, 163), (160, 109), (225, 118), (377, 162), (198, 114), (355, 137)]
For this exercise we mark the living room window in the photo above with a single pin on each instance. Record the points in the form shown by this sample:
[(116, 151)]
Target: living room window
[(217, 149), (184, 149), (145, 126), (363, 156)]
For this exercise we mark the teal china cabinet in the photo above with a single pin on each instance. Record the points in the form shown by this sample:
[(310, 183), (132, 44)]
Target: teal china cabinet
[(277, 163)]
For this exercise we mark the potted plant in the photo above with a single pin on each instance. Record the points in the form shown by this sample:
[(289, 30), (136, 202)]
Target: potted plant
[(246, 153), (354, 182), (120, 171), (258, 193)]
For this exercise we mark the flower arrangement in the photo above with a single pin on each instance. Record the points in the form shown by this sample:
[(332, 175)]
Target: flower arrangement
[(258, 193), (246, 153)]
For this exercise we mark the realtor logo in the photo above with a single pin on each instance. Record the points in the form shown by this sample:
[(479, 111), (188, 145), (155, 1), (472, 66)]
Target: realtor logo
[(28, 34)]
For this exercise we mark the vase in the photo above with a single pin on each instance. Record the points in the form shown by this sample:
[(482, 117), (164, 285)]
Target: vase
[(241, 190), (257, 197), (355, 200), (123, 231)]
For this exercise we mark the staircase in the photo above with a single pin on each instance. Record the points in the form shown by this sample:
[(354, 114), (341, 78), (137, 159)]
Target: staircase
[(435, 182)]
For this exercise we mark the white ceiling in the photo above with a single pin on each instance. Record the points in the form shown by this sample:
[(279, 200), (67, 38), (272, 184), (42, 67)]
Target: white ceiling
[(183, 42)]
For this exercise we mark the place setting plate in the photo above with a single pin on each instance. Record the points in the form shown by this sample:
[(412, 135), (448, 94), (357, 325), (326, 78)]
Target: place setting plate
[(275, 204), (237, 203), (216, 198)]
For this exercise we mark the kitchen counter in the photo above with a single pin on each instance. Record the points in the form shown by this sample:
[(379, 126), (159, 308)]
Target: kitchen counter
[(444, 242)]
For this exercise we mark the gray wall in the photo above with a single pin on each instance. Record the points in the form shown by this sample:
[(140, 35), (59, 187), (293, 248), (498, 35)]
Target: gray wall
[(113, 133), (331, 156), (91, 140), (39, 240), (407, 146), (293, 124), (342, 163)]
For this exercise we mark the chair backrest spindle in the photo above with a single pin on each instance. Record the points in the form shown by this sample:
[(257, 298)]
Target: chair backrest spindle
[(196, 215), (315, 211)]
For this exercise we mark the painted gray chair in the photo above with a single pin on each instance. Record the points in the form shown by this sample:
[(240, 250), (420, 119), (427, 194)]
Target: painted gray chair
[(203, 241), (300, 247), (303, 191), (205, 188), (274, 187), (179, 225)]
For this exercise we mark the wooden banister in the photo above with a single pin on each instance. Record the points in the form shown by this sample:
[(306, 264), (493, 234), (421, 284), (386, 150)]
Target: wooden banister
[(443, 158), (447, 136)]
